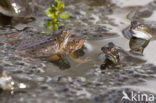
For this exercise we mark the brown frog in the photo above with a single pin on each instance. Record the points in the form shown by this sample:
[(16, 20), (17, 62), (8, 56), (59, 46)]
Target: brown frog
[(117, 57), (52, 47), (45, 45), (73, 50), (139, 36), (111, 59), (73, 45)]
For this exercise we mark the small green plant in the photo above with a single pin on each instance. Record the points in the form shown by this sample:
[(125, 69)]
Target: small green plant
[(56, 12)]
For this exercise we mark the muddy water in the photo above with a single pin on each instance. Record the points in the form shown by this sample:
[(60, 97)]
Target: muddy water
[(98, 23)]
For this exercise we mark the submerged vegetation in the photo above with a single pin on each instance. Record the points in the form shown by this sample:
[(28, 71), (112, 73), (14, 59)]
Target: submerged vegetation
[(56, 12)]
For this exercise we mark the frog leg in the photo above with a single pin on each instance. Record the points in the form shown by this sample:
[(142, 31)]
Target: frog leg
[(141, 50), (53, 57), (12, 34), (76, 59), (15, 41), (56, 56), (4, 38)]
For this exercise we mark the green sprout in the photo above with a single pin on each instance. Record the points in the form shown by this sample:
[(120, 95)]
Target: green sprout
[(56, 12)]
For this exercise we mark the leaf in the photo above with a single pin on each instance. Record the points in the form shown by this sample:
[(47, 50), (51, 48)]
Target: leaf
[(64, 15), (49, 24), (55, 13), (59, 24), (60, 7), (55, 3), (51, 15), (47, 10)]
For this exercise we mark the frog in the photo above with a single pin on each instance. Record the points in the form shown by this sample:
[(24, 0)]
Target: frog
[(74, 46), (28, 43), (139, 35), (72, 49), (45, 45), (116, 57), (111, 59), (50, 47)]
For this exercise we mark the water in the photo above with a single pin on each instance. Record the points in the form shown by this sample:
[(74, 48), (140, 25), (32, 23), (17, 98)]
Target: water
[(98, 24)]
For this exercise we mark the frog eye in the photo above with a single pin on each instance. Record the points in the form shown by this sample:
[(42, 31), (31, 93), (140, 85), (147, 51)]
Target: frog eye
[(142, 26), (55, 39), (64, 32)]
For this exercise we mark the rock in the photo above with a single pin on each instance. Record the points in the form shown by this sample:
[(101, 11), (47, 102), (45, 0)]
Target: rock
[(6, 82)]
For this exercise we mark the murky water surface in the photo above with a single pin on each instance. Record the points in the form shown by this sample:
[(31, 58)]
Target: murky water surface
[(98, 22)]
